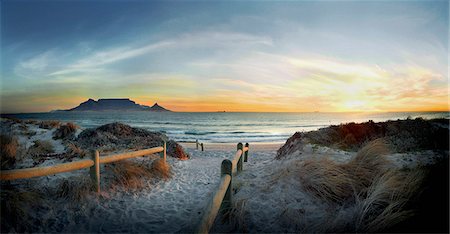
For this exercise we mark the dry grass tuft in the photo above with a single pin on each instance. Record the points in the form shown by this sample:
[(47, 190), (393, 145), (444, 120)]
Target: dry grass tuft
[(377, 193), (327, 180), (49, 124), (339, 182), (75, 151), (65, 131), (41, 147), (386, 199), (134, 176), (8, 151), (161, 169), (75, 190), (236, 216)]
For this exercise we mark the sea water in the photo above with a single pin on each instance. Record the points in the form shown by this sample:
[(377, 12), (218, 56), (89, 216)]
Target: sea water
[(225, 126)]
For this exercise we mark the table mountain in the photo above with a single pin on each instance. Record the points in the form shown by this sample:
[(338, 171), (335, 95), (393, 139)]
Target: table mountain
[(116, 104)]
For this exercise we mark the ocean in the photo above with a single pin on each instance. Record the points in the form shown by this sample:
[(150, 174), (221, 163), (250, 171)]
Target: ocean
[(225, 127)]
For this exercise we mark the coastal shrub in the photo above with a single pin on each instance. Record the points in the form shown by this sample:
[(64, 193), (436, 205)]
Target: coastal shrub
[(118, 136), (41, 147), (403, 135), (13, 119), (49, 124), (9, 146), (31, 121), (66, 131)]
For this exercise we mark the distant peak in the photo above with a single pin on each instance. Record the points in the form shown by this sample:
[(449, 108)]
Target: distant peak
[(122, 104), (90, 100)]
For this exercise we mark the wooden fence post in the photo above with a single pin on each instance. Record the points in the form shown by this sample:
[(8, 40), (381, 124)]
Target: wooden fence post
[(95, 170), (239, 162), (164, 152), (226, 169), (202, 146), (196, 144), (246, 152)]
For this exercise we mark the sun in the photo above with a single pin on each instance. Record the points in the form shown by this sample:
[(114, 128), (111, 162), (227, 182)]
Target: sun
[(354, 105)]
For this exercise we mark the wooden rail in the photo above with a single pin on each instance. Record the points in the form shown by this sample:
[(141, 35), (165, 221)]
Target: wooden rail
[(222, 198), (93, 164), (44, 171), (133, 154)]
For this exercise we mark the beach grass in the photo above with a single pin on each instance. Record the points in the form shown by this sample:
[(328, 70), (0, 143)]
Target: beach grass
[(49, 124), (9, 148), (65, 131), (135, 175), (75, 190), (377, 192), (41, 147)]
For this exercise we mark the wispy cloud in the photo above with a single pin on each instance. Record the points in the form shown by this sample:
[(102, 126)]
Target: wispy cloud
[(202, 39), (36, 65)]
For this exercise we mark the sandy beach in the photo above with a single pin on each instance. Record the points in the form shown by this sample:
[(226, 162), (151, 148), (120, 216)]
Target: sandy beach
[(268, 194), (230, 147), (162, 206)]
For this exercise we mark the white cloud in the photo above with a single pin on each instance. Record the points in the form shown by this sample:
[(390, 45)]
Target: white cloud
[(202, 39), (35, 65)]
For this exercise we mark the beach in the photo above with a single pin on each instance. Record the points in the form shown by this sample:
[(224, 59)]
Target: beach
[(268, 195), (174, 205)]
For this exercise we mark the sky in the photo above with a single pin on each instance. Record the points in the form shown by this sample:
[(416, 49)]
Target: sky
[(269, 56)]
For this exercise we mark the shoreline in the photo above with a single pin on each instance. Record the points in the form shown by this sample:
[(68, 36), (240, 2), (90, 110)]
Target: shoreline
[(256, 146)]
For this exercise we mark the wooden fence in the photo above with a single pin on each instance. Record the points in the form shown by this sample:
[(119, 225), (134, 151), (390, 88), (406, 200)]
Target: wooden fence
[(93, 164), (197, 144), (222, 198)]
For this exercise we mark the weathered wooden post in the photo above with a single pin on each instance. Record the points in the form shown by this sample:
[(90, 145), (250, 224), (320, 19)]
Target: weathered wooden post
[(202, 146), (246, 152), (95, 170), (226, 169), (239, 162), (164, 152), (196, 144)]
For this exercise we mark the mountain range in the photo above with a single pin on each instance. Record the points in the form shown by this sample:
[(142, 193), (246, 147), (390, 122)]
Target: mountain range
[(116, 104)]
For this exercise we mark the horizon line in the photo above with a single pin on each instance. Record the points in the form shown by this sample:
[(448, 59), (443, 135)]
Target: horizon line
[(281, 112)]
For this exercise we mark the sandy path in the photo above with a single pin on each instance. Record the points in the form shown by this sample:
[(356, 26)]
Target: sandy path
[(170, 206)]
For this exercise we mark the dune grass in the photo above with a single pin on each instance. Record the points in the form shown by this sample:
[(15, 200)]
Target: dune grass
[(49, 124), (338, 182), (75, 151), (133, 175), (384, 204), (8, 150), (65, 131), (161, 169), (41, 147), (75, 190), (377, 193)]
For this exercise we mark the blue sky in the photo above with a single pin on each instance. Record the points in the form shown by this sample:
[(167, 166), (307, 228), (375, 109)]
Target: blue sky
[(234, 56)]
